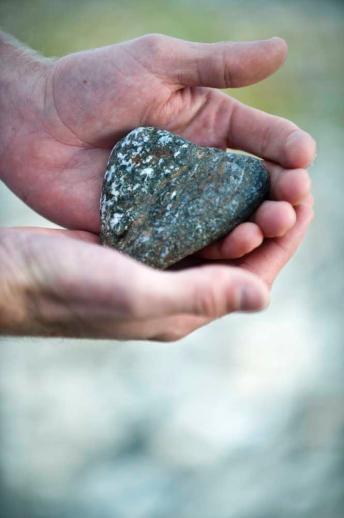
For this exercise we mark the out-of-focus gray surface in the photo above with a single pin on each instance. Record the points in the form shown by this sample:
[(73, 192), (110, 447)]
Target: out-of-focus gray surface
[(242, 419)]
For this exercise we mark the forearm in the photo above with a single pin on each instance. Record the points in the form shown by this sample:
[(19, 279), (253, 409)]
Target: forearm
[(21, 98)]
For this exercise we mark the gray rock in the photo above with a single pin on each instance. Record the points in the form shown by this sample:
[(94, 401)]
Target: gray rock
[(164, 197)]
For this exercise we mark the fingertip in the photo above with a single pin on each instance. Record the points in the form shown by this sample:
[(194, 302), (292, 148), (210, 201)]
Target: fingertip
[(255, 60), (281, 40), (242, 240), (305, 212), (281, 45), (245, 238), (275, 218), (300, 149), (254, 296), (219, 290), (293, 186)]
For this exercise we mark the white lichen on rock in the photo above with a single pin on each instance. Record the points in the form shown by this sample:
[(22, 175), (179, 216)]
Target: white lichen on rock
[(164, 198)]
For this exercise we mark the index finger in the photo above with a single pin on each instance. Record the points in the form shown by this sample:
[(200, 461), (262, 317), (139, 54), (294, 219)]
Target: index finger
[(270, 137)]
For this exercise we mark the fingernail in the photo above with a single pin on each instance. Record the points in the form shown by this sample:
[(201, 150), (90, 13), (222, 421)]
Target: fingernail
[(252, 298)]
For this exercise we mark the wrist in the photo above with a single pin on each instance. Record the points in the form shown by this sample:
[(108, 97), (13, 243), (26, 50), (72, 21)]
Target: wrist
[(22, 90), (29, 304), (13, 286)]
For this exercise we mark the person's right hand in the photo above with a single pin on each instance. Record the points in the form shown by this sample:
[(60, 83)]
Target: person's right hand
[(62, 283), (64, 118)]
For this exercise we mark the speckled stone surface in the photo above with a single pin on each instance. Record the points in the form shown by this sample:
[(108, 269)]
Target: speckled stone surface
[(164, 197)]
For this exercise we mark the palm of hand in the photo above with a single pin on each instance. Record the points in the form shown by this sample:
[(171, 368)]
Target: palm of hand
[(90, 104)]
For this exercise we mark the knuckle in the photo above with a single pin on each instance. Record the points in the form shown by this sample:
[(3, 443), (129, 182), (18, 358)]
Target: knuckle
[(206, 303), (155, 43), (227, 68), (265, 141), (233, 69), (214, 299)]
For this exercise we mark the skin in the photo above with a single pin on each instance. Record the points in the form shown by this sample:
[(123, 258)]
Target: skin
[(56, 131)]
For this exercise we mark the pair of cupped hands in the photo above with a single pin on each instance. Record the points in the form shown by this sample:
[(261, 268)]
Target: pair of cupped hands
[(66, 114)]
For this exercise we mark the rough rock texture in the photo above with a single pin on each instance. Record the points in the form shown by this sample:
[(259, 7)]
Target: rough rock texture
[(165, 198)]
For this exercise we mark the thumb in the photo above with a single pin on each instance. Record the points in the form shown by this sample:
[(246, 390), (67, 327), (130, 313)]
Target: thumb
[(227, 64), (207, 291)]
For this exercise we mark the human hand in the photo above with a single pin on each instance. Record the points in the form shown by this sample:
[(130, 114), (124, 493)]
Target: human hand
[(82, 103), (62, 283), (63, 144)]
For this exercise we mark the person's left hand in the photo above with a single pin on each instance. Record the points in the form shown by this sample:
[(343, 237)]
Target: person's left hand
[(71, 111), (62, 283)]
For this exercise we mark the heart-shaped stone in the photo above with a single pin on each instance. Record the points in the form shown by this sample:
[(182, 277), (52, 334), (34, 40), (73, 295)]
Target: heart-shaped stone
[(164, 197)]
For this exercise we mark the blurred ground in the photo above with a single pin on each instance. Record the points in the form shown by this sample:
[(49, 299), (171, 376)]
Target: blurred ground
[(243, 419)]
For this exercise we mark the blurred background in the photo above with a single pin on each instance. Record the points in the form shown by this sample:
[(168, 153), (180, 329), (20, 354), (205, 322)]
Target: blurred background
[(242, 419)]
